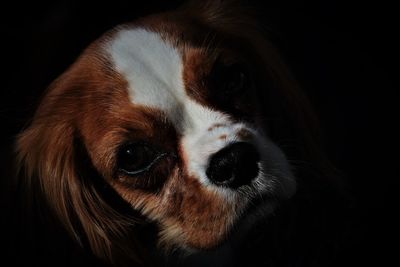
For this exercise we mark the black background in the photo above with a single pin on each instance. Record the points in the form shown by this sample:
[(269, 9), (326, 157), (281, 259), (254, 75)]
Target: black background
[(342, 53)]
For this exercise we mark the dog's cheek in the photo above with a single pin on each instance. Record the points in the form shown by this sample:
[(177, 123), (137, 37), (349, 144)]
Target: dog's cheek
[(189, 215)]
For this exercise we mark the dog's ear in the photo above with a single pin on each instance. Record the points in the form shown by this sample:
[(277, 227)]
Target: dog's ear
[(53, 161)]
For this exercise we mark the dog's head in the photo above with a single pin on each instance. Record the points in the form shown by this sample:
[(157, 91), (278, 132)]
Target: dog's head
[(172, 113)]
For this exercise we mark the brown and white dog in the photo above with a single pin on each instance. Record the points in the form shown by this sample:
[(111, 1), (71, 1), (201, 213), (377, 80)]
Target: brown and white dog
[(180, 115)]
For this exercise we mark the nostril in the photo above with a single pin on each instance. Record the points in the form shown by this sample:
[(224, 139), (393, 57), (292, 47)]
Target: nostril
[(234, 165)]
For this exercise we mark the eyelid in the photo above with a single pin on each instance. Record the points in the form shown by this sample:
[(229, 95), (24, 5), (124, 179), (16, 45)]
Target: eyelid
[(147, 168)]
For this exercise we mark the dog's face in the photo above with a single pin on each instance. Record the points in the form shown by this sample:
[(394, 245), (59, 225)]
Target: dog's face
[(182, 140), (168, 111)]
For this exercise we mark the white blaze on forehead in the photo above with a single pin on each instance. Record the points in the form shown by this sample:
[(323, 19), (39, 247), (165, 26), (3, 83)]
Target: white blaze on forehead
[(154, 71)]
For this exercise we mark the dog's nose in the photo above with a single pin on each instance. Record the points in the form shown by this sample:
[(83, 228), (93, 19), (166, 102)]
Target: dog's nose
[(234, 165)]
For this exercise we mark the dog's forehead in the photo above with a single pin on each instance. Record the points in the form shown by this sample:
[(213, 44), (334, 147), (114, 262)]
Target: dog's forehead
[(153, 69)]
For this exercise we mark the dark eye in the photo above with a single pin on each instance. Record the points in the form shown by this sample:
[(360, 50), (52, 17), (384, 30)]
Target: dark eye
[(136, 158), (235, 80), (231, 80)]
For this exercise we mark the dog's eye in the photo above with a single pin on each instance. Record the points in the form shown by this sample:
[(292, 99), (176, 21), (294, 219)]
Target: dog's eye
[(136, 158), (235, 80), (231, 80)]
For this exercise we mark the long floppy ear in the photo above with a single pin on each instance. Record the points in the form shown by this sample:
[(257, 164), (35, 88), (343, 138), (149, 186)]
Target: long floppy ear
[(53, 162)]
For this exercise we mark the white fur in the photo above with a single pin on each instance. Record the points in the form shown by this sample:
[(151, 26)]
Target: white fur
[(154, 70)]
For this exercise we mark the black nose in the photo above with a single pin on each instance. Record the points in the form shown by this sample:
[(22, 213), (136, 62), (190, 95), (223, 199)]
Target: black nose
[(234, 165)]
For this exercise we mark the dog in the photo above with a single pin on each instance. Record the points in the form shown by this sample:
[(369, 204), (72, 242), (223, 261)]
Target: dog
[(174, 120)]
